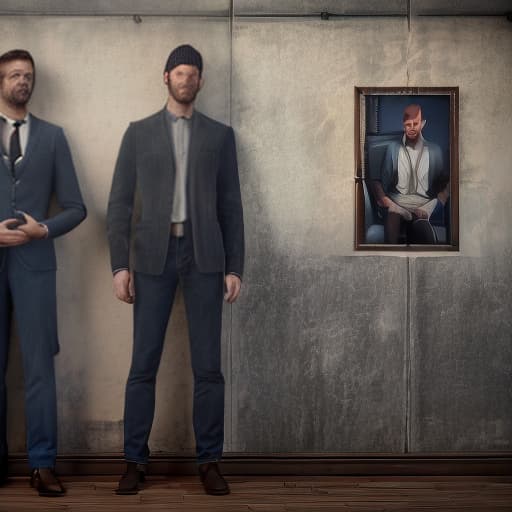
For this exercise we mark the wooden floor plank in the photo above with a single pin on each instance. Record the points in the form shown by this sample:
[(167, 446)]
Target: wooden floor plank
[(267, 508), (272, 494)]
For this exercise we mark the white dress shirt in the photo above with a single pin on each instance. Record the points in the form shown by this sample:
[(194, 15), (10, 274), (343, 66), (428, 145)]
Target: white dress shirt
[(6, 130)]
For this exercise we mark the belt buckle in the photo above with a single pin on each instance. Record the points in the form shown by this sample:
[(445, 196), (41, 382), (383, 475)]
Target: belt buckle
[(178, 229)]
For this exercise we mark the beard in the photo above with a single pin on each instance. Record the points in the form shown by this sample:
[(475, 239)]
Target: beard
[(19, 96), (184, 94), (412, 140)]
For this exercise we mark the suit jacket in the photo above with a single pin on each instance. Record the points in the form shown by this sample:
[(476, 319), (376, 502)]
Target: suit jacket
[(45, 171), (389, 170), (144, 175)]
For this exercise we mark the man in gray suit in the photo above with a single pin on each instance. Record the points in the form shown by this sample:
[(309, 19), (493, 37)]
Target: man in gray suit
[(35, 165), (176, 178)]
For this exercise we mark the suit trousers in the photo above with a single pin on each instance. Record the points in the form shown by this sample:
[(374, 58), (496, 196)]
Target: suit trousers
[(154, 296), (32, 294)]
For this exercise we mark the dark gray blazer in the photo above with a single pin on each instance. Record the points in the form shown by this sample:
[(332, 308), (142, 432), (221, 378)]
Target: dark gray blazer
[(45, 171), (144, 176)]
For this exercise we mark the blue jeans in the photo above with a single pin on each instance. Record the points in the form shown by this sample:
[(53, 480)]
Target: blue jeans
[(33, 295), (154, 296)]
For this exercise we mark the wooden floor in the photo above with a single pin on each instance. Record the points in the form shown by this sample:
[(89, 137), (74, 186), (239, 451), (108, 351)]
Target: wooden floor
[(272, 494)]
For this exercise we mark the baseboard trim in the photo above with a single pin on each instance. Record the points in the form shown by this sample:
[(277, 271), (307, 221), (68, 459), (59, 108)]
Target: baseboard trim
[(445, 464)]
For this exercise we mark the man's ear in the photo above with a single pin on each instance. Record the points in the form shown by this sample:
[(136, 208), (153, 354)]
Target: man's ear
[(166, 77), (201, 82), (423, 123)]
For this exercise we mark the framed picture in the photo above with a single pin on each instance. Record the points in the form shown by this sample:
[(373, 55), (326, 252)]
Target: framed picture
[(407, 168)]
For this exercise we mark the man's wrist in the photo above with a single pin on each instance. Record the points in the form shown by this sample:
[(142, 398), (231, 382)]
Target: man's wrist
[(46, 231)]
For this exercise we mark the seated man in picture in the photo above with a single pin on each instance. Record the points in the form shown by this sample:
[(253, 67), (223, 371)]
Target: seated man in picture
[(412, 181)]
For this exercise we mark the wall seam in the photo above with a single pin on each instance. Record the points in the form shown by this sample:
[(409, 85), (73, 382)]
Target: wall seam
[(408, 353), (408, 317), (409, 36), (231, 21), (230, 336)]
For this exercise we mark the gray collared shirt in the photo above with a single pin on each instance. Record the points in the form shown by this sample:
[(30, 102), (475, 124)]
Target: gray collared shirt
[(180, 134)]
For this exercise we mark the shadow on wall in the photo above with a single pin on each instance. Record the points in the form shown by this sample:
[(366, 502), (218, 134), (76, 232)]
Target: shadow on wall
[(318, 345)]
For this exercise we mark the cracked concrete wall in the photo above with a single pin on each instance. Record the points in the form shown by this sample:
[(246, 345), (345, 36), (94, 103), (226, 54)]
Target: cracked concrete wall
[(418, 347), (461, 332), (327, 350)]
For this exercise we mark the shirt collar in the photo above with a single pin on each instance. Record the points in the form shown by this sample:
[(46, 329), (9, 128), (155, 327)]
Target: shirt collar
[(174, 118), (12, 121)]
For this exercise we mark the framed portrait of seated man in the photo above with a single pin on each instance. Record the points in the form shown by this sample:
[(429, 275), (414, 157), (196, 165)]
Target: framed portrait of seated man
[(407, 168)]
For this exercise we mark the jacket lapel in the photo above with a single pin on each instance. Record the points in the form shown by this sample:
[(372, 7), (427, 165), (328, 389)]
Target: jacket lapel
[(4, 166), (197, 134), (164, 138), (162, 144), (34, 136)]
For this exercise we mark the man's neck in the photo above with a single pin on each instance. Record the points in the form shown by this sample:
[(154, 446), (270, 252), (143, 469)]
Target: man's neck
[(179, 109), (413, 143), (13, 112)]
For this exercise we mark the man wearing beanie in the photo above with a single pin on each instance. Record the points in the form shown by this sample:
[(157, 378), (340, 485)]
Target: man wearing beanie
[(187, 228)]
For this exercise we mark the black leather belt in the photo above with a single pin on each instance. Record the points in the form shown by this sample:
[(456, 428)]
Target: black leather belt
[(178, 229)]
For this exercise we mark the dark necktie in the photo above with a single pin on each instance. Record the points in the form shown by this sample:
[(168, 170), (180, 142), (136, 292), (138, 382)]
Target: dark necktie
[(14, 145)]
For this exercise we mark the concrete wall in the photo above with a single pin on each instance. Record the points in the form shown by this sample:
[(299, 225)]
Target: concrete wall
[(327, 350)]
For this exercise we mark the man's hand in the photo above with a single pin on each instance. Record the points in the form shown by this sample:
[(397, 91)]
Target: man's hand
[(32, 228), (124, 288), (444, 195), (232, 285), (11, 237), (420, 213), (399, 210)]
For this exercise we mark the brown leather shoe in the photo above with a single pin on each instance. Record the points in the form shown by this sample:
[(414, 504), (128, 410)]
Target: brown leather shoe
[(213, 481), (46, 483), (131, 480)]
